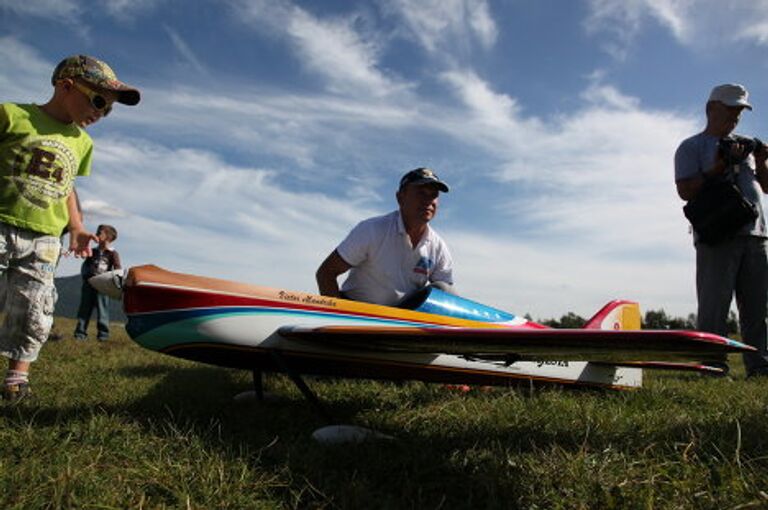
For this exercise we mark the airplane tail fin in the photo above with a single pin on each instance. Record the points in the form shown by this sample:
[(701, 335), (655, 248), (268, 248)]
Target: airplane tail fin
[(616, 315), (625, 315)]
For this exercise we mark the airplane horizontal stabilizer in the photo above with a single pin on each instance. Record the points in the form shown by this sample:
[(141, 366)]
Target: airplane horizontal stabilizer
[(669, 365)]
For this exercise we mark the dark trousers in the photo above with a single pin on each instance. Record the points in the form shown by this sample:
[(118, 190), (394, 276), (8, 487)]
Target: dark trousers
[(736, 268), (90, 299)]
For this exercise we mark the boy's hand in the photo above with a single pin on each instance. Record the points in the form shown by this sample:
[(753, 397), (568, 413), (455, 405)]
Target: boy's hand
[(80, 242)]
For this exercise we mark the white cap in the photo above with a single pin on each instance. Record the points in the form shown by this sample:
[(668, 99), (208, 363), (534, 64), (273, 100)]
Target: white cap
[(731, 94)]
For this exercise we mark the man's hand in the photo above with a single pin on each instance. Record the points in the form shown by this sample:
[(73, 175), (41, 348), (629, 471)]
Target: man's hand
[(80, 242), (761, 154), (761, 168), (735, 150)]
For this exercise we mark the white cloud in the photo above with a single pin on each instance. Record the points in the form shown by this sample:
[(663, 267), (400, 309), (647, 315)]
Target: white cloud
[(271, 123), (74, 12), (332, 48), (608, 96), (494, 119), (621, 20), (594, 186), (127, 10), (29, 79), (101, 209), (185, 51), (716, 22), (488, 107), (483, 25), (547, 281), (627, 17), (442, 25), (188, 209), (600, 179), (63, 10), (756, 31), (700, 24)]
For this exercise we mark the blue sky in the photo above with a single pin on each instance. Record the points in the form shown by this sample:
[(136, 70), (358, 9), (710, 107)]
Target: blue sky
[(268, 128)]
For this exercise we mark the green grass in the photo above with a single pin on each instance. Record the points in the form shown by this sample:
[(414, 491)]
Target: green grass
[(116, 426)]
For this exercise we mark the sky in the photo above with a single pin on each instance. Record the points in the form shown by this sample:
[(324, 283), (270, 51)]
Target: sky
[(268, 128)]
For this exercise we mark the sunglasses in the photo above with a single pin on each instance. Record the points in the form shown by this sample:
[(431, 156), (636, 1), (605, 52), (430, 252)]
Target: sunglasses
[(97, 100)]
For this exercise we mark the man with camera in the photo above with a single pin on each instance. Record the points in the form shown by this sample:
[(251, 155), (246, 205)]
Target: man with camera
[(731, 256)]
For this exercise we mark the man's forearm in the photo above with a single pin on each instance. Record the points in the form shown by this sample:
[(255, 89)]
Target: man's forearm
[(761, 172), (689, 188), (328, 272), (328, 285)]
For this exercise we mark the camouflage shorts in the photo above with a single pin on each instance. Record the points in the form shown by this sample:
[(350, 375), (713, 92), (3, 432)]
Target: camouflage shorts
[(27, 268)]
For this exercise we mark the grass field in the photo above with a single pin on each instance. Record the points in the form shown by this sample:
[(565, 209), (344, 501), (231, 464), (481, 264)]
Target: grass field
[(115, 426)]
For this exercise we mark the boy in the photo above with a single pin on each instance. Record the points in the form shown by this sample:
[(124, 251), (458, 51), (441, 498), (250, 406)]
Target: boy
[(103, 258), (42, 149)]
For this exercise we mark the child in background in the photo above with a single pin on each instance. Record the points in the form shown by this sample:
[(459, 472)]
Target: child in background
[(43, 148), (103, 258)]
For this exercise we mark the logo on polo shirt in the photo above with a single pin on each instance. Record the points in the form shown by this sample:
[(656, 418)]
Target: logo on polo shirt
[(424, 266)]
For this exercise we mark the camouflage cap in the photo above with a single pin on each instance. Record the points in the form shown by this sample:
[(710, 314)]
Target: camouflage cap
[(96, 73), (423, 176)]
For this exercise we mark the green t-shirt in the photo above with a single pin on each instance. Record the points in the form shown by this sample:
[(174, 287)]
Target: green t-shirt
[(39, 160)]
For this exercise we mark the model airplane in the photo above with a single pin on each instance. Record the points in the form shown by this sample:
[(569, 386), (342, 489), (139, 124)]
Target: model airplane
[(433, 336)]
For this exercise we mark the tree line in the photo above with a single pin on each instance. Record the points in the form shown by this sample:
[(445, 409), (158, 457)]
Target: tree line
[(653, 319)]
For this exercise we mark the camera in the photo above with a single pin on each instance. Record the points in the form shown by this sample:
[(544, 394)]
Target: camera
[(748, 146)]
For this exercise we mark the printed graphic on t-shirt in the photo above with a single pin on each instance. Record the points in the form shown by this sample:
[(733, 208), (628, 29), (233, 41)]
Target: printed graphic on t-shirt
[(98, 263), (424, 266), (43, 171), (101, 265)]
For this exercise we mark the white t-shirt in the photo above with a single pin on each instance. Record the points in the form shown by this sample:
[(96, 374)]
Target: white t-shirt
[(385, 266)]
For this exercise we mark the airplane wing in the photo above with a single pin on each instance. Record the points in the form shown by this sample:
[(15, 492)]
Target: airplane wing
[(523, 343)]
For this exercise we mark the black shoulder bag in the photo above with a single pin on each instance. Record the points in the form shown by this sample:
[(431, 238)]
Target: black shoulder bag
[(718, 211)]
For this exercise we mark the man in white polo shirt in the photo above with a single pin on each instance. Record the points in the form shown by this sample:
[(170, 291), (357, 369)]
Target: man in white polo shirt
[(390, 256)]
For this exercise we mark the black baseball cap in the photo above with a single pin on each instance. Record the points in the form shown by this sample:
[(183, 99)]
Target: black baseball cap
[(423, 176)]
